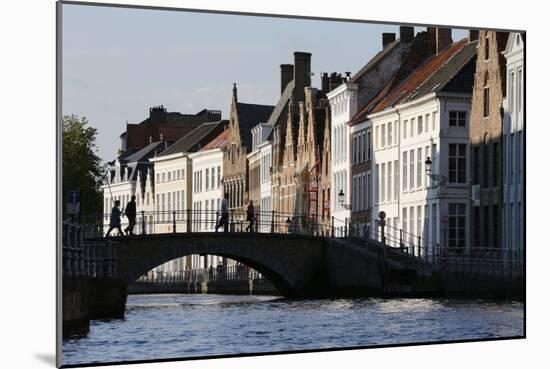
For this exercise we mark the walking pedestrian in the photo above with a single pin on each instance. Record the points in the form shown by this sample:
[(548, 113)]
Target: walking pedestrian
[(114, 222), (250, 217), (130, 213), (224, 214)]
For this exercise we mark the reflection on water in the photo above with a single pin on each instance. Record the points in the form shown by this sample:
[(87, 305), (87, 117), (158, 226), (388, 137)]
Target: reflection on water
[(172, 326)]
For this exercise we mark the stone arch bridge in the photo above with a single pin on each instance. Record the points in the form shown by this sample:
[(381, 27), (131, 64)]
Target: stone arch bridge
[(297, 265)]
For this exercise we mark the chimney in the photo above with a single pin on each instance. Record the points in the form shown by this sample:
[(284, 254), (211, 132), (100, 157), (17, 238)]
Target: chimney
[(324, 83), (443, 39), (302, 73), (387, 38), (287, 73), (406, 34), (473, 35)]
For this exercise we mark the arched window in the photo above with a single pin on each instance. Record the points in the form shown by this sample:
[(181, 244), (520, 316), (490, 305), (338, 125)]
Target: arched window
[(486, 95)]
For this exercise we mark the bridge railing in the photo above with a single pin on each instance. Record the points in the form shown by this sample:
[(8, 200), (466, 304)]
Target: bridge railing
[(82, 258), (235, 272), (478, 260), (237, 220)]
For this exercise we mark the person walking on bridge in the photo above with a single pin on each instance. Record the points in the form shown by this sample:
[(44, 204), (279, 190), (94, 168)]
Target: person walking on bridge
[(130, 213), (224, 214), (114, 222), (250, 217)]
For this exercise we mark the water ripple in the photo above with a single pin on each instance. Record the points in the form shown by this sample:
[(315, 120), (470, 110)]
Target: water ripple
[(170, 326)]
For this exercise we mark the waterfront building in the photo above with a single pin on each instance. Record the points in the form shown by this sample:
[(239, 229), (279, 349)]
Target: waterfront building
[(345, 101), (425, 115), (486, 142), (175, 183), (514, 147), (243, 118), (127, 176), (171, 125)]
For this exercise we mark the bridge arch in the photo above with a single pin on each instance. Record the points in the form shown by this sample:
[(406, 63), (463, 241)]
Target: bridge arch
[(292, 263)]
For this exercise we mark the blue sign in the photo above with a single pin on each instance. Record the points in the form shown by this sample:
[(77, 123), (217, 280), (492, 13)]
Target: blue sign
[(73, 202)]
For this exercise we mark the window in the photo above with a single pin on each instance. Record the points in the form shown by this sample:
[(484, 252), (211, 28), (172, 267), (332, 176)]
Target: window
[(377, 188), (420, 127), (496, 163), (212, 182), (163, 176), (476, 226), (411, 165), (389, 134), (476, 165), (457, 225), (369, 199), (412, 127), (369, 145), (457, 163), (419, 167), (389, 180), (376, 138), (383, 144), (396, 133), (486, 96), (427, 122), (433, 120), (434, 224), (404, 171), (219, 175), (354, 161), (404, 222), (363, 146), (404, 129), (396, 179), (419, 222), (207, 182), (511, 93), (383, 183), (411, 225), (457, 118), (169, 176)]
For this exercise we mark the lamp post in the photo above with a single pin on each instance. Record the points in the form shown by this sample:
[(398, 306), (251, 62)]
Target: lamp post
[(341, 200), (439, 179)]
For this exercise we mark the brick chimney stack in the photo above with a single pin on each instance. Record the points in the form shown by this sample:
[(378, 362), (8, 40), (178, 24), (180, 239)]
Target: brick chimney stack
[(302, 73), (287, 73), (441, 36), (406, 34), (387, 38), (473, 35)]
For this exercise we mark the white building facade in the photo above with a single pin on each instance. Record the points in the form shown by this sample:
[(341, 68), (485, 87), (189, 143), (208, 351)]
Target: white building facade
[(431, 211), (514, 147), (343, 103), (266, 200)]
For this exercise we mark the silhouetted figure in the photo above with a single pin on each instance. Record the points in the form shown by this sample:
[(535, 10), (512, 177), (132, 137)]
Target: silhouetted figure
[(250, 217), (130, 212), (224, 218), (219, 271), (115, 219)]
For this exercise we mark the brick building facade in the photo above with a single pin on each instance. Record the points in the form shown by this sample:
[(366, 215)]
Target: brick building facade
[(486, 132)]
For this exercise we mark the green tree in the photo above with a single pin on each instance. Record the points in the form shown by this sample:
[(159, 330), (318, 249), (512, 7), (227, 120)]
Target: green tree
[(81, 165)]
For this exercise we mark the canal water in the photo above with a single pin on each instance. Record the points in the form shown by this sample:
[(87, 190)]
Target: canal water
[(181, 326)]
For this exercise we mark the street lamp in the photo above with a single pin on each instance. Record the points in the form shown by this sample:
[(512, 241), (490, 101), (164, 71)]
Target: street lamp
[(439, 179), (341, 199)]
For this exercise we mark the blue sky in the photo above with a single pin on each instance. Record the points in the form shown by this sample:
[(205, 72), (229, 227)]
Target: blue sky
[(118, 62)]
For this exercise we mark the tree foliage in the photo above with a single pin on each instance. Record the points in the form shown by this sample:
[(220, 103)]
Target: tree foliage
[(81, 165)]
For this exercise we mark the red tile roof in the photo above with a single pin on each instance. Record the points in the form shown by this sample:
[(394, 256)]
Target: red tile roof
[(389, 97), (217, 143)]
